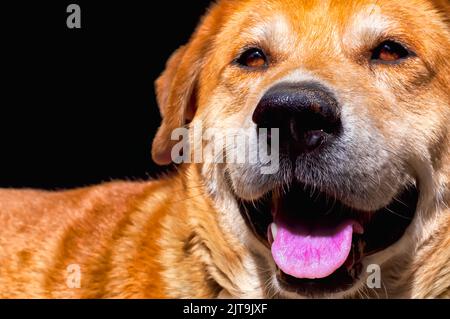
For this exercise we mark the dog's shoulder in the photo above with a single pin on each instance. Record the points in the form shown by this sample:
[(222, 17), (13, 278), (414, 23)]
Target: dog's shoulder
[(93, 228)]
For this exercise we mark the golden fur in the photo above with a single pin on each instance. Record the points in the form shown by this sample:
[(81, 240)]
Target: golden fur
[(178, 237)]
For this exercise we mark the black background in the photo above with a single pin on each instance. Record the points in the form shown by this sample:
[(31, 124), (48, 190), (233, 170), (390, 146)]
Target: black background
[(275, 308), (78, 105)]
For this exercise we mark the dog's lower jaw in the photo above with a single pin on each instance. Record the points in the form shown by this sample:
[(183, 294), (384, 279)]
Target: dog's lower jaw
[(428, 272), (419, 267), (423, 269), (228, 268)]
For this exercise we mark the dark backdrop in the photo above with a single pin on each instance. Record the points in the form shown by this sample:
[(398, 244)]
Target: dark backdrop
[(78, 106)]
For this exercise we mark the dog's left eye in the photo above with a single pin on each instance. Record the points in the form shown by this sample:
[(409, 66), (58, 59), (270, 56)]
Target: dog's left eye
[(253, 58), (390, 51)]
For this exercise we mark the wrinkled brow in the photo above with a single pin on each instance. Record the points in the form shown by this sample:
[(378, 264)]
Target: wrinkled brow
[(275, 30), (366, 27)]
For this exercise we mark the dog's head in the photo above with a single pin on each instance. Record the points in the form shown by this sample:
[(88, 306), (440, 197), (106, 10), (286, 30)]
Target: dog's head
[(359, 93)]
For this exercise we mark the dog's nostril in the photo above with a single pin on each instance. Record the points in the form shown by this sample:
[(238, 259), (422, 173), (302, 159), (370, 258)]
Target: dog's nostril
[(303, 138), (313, 139), (306, 115)]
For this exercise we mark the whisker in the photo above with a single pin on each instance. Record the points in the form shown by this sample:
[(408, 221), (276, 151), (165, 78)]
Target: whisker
[(397, 214)]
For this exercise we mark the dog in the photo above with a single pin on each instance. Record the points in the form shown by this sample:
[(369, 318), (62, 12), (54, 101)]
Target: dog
[(356, 97)]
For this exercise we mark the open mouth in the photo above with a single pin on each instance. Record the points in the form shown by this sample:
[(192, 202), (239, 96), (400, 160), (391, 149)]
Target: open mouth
[(318, 243)]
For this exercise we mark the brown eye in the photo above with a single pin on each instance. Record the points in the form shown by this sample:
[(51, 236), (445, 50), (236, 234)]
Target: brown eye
[(390, 51), (253, 58)]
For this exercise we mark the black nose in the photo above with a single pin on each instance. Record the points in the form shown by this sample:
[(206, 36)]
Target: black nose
[(306, 114)]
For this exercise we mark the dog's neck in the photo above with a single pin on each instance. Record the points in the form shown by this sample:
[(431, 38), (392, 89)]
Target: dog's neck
[(214, 261)]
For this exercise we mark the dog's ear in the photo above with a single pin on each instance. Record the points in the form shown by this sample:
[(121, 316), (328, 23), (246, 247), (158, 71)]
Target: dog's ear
[(176, 100), (176, 88)]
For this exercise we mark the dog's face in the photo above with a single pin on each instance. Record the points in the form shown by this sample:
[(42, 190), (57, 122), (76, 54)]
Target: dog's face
[(359, 91)]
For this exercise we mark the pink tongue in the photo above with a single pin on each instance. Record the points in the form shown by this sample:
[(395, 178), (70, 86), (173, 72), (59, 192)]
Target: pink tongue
[(312, 252)]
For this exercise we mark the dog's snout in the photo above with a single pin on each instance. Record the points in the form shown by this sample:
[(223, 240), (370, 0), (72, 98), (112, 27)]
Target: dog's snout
[(306, 115)]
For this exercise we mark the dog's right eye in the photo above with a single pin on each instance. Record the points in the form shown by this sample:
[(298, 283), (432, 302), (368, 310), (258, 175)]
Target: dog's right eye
[(253, 58), (390, 51)]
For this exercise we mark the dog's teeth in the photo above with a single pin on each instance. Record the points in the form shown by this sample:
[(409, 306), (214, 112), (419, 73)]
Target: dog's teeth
[(274, 229)]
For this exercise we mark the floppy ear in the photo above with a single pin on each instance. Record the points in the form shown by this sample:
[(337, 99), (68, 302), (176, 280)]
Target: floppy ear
[(176, 100), (176, 88)]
